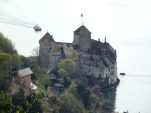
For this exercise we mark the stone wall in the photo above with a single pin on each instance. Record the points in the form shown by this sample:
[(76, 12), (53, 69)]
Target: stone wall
[(82, 39), (99, 62), (93, 65)]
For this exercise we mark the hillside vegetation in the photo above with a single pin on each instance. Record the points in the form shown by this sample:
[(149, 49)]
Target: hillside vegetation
[(62, 90), (10, 62)]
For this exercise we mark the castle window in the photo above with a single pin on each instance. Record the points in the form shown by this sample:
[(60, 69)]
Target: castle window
[(49, 49), (62, 52)]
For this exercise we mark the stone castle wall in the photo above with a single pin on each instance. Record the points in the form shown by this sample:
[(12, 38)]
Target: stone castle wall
[(82, 40), (93, 58)]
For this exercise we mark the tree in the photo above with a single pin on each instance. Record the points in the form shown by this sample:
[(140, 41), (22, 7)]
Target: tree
[(29, 104), (66, 67), (67, 107), (5, 103), (5, 77), (9, 61), (33, 104), (9, 64), (6, 45), (35, 51), (83, 93), (63, 72)]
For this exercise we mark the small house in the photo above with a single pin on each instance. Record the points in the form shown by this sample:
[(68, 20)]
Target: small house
[(24, 78)]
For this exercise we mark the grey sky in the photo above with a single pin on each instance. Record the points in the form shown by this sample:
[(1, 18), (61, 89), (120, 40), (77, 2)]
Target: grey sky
[(126, 23)]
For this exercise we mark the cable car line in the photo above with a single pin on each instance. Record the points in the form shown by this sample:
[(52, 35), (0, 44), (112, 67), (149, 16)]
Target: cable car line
[(18, 22)]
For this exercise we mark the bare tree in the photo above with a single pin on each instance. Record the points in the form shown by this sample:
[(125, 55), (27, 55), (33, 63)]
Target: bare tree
[(35, 51)]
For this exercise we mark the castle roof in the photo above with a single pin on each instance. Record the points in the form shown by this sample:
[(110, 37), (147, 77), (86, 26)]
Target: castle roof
[(81, 28), (46, 36)]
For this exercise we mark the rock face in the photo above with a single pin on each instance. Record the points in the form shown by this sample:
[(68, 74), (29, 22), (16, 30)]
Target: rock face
[(92, 58)]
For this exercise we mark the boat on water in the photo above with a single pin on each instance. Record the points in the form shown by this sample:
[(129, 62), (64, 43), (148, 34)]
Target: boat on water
[(123, 74)]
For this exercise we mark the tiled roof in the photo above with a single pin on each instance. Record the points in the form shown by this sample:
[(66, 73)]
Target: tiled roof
[(24, 72)]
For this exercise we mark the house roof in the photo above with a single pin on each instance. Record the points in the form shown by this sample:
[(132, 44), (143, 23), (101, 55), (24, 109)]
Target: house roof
[(24, 72), (81, 28), (47, 36)]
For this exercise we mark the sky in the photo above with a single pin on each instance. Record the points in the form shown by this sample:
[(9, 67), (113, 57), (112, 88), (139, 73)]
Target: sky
[(125, 23)]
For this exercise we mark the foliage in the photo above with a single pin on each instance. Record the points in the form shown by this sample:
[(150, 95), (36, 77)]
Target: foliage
[(29, 104), (66, 67), (19, 103), (8, 67), (6, 45), (67, 82), (5, 103), (5, 57), (108, 99), (15, 62), (83, 93), (54, 104), (43, 81), (9, 62), (40, 77), (9, 59), (67, 107), (63, 72), (4, 70)]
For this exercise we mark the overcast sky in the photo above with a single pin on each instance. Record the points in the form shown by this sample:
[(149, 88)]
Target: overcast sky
[(126, 23)]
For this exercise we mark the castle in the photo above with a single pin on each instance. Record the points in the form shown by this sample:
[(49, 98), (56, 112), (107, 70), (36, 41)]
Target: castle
[(92, 57)]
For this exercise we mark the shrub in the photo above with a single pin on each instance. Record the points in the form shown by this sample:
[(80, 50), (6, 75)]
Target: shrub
[(5, 103), (66, 67), (6, 45), (70, 104)]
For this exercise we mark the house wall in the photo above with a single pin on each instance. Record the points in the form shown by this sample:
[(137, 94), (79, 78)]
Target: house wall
[(25, 81)]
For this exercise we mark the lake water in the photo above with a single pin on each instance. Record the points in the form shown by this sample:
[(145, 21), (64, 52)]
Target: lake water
[(134, 94)]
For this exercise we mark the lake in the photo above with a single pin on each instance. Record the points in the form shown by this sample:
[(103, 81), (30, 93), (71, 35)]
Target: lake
[(134, 94)]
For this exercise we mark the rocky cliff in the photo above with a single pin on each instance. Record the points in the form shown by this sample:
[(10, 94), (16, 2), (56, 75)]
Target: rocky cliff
[(83, 72)]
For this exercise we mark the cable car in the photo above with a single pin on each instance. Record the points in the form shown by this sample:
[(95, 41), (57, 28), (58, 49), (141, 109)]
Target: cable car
[(37, 28), (19, 22)]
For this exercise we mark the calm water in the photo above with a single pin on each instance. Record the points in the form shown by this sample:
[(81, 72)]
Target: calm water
[(134, 94)]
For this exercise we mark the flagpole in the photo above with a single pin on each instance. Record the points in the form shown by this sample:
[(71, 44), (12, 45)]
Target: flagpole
[(82, 20)]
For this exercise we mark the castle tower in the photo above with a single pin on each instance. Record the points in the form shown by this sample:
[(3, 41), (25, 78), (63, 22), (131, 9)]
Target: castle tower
[(44, 51), (82, 38)]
